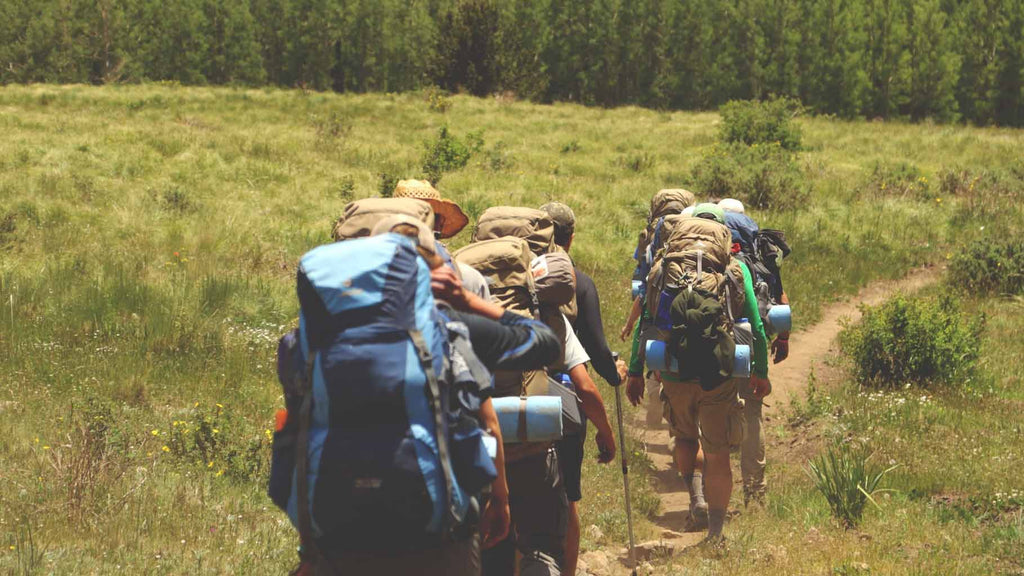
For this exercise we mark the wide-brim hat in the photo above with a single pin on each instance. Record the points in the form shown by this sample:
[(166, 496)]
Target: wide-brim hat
[(449, 218)]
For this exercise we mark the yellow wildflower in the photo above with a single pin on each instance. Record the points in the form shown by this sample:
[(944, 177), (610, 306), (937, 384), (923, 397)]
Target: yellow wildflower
[(155, 432), (166, 448)]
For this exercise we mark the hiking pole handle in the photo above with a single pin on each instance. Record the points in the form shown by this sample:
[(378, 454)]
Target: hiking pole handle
[(625, 477)]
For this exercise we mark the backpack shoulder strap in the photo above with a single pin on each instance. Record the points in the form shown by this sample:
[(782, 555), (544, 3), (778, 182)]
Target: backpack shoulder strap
[(434, 389)]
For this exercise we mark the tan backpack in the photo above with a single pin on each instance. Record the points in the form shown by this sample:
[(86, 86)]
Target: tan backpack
[(360, 216), (698, 255), (666, 203), (534, 226), (505, 265)]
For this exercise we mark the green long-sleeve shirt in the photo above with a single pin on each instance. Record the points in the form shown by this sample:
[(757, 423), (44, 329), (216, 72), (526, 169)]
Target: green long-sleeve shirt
[(760, 360)]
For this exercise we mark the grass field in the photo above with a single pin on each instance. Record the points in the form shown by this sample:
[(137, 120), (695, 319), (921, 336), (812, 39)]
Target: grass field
[(148, 242)]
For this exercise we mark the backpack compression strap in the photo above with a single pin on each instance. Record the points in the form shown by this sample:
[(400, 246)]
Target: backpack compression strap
[(427, 362), (308, 543)]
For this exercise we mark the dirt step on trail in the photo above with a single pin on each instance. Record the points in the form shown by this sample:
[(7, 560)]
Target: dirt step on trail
[(789, 378)]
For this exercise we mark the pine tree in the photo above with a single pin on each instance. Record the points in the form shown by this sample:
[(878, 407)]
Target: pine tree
[(933, 66)]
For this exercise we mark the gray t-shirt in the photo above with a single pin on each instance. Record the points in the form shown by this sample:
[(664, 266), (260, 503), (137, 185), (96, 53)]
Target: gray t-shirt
[(474, 281)]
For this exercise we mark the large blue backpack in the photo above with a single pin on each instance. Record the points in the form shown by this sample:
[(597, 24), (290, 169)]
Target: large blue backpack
[(384, 445)]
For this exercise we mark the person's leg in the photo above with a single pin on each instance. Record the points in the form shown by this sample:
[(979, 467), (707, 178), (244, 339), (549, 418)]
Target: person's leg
[(721, 429), (572, 540), (541, 516), (752, 452), (570, 458), (654, 407), (680, 411)]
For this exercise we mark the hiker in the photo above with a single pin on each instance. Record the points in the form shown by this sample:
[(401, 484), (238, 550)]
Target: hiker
[(589, 330), (700, 395), (449, 220), (745, 234), (496, 340), (665, 203), (540, 531)]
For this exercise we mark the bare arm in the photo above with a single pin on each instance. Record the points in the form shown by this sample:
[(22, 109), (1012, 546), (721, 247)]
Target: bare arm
[(593, 407), (634, 315), (494, 525)]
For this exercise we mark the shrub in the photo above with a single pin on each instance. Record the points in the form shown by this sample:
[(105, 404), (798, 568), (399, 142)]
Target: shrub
[(753, 122), (219, 441), (447, 153), (847, 480), (986, 266), (500, 158), (330, 128), (898, 179), (388, 181), (437, 100), (638, 162), (764, 176), (919, 341)]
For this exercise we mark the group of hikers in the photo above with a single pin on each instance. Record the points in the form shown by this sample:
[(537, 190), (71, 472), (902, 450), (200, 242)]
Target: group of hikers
[(437, 402)]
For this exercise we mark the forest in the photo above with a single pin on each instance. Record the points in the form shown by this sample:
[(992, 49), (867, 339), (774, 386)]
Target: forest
[(945, 60)]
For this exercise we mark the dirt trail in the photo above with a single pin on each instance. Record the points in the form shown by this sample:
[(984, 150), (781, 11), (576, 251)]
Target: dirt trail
[(808, 346)]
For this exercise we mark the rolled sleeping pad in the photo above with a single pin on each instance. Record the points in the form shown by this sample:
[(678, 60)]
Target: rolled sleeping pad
[(780, 318), (656, 359), (635, 289), (529, 418)]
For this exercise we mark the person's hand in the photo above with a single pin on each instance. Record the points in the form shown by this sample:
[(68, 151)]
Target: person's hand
[(627, 331), (495, 521), (447, 287), (780, 348), (605, 446), (620, 366), (635, 389), (761, 387)]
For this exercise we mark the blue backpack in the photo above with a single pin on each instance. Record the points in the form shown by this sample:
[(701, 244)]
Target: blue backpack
[(377, 453)]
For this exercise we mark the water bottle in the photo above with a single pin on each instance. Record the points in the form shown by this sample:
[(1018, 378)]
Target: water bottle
[(742, 332), (636, 288), (780, 318)]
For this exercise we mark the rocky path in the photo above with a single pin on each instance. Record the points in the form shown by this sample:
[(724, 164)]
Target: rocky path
[(808, 346)]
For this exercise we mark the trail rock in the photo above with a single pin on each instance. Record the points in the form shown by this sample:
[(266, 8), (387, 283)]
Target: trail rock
[(597, 563), (594, 533)]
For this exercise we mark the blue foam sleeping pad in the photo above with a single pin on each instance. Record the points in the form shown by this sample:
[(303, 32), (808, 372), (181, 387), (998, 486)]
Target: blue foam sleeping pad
[(656, 359), (543, 418)]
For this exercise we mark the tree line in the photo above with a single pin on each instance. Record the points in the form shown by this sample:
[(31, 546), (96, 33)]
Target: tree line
[(942, 59)]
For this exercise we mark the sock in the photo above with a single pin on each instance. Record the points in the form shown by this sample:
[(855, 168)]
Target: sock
[(716, 520), (695, 484)]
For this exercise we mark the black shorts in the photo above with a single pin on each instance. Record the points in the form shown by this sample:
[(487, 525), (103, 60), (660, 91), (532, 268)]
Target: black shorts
[(570, 457)]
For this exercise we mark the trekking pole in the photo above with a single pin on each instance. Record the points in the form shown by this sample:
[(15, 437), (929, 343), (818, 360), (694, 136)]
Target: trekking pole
[(625, 474)]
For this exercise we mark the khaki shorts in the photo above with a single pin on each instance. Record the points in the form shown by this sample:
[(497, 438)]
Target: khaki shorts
[(714, 417)]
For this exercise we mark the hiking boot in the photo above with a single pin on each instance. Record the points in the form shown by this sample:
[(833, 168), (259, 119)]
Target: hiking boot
[(699, 514)]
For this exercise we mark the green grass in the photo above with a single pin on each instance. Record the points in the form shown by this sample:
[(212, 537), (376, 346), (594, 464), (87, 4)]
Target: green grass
[(148, 242)]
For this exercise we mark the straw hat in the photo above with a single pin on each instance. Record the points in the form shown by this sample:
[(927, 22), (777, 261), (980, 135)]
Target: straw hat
[(449, 219)]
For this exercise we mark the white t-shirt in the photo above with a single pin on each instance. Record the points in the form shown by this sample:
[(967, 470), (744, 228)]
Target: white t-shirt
[(574, 352)]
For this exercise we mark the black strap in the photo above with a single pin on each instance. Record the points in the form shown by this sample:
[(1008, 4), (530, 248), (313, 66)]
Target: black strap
[(309, 548), (427, 363)]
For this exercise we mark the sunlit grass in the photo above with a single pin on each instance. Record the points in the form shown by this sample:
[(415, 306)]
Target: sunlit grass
[(148, 243)]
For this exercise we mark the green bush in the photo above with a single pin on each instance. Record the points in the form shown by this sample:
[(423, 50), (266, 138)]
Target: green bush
[(754, 122), (447, 153), (901, 179), (764, 176), (918, 341), (986, 266), (847, 480)]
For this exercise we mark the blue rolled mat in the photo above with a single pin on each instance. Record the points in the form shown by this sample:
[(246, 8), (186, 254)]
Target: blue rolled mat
[(780, 318), (656, 359), (635, 289), (543, 418)]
